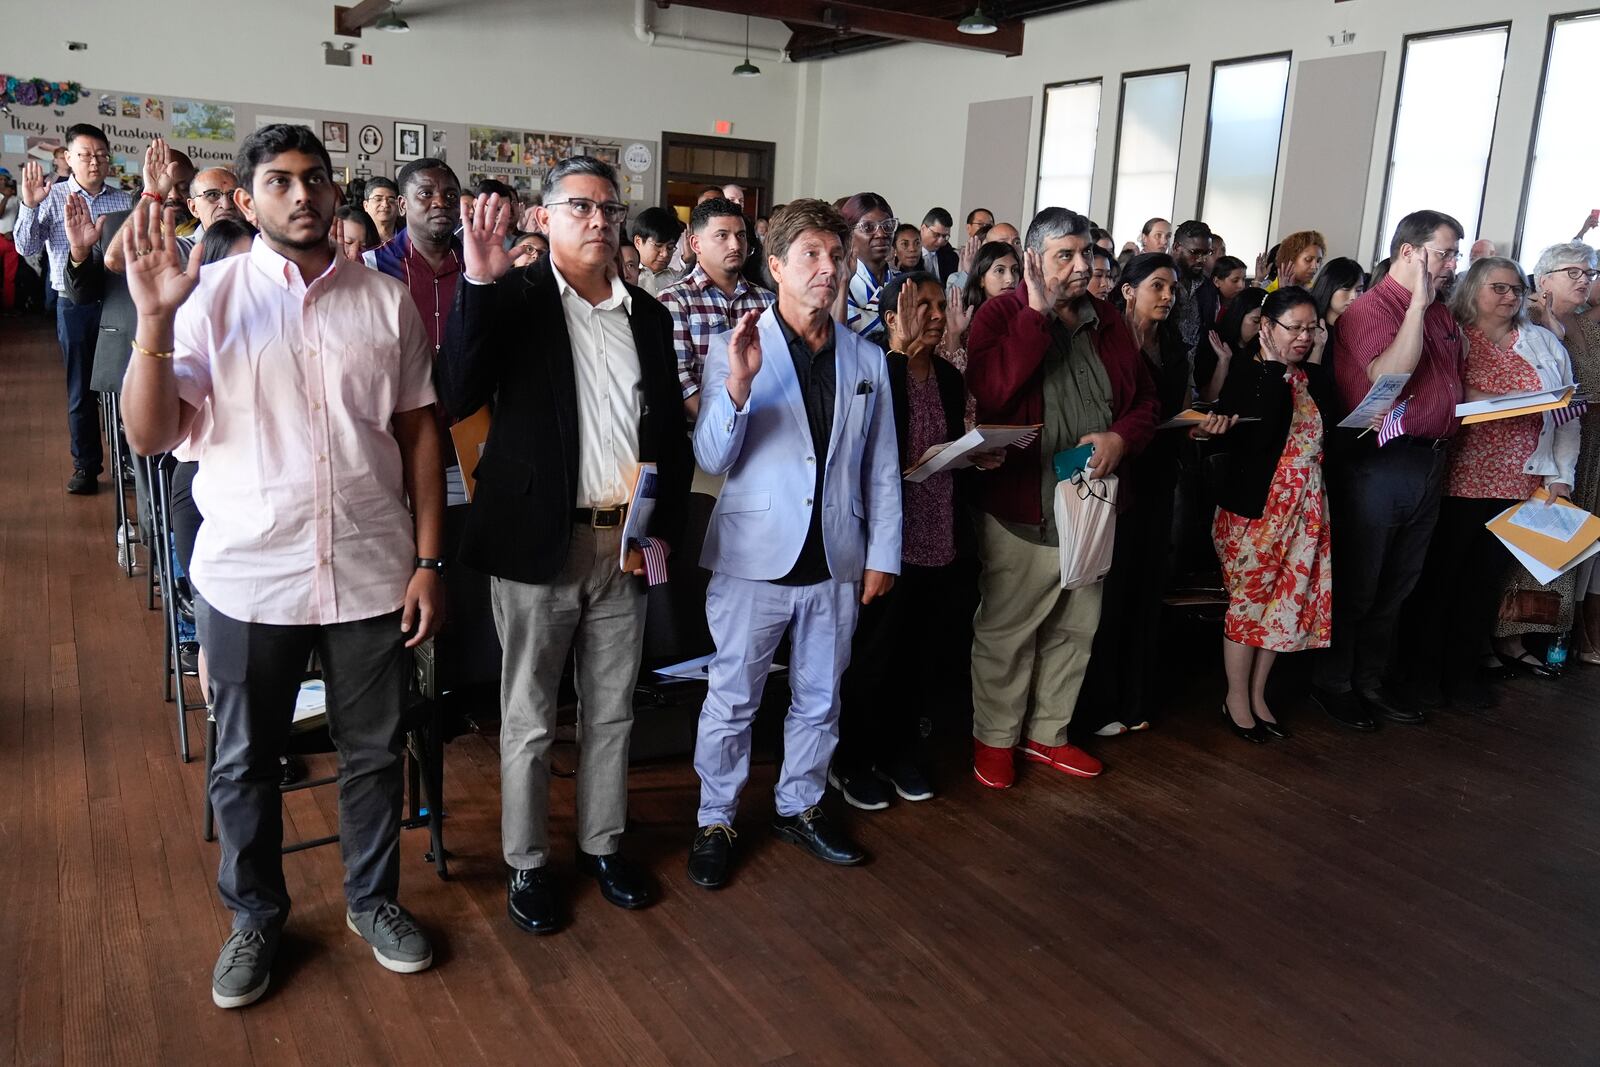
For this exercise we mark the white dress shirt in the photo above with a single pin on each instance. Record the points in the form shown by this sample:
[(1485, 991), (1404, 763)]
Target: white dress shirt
[(605, 364)]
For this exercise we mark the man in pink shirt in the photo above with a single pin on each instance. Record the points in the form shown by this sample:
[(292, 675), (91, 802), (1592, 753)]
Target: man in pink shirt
[(319, 446)]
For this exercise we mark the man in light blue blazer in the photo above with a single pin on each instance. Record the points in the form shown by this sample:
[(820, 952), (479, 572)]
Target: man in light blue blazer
[(796, 411)]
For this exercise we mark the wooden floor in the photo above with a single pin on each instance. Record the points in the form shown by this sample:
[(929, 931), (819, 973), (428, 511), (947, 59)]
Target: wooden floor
[(1418, 896)]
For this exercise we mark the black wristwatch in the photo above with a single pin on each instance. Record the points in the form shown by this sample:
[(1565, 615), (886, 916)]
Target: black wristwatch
[(423, 563)]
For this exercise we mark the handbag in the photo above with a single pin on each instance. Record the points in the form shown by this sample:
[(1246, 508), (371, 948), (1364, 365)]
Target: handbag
[(1535, 607), (1086, 525)]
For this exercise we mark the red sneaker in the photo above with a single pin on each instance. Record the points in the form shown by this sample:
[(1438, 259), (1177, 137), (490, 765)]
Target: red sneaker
[(993, 766), (1068, 758)]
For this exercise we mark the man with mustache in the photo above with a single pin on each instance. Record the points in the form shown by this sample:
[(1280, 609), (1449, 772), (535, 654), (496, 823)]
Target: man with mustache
[(1046, 352), (210, 199), (42, 223), (325, 367), (796, 411), (585, 385)]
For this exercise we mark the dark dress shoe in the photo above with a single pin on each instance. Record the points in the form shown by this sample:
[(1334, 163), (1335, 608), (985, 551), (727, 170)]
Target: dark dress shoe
[(622, 883), (1254, 733), (1382, 702), (1346, 709), (709, 856), (532, 901), (82, 483), (1276, 729), (815, 832)]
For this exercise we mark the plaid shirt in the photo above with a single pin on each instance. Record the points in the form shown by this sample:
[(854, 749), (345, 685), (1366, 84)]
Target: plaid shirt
[(700, 311), (47, 223)]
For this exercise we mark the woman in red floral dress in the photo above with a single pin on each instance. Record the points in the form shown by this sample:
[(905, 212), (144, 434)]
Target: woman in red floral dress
[(1271, 530)]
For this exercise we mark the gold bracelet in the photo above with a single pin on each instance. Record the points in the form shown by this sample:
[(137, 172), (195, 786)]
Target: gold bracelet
[(146, 352)]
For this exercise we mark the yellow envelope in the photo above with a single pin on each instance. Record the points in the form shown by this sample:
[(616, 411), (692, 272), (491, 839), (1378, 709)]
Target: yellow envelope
[(1550, 551), (469, 435), (1506, 413)]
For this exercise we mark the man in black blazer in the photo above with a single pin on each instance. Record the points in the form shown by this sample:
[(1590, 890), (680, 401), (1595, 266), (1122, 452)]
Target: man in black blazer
[(938, 258), (581, 373)]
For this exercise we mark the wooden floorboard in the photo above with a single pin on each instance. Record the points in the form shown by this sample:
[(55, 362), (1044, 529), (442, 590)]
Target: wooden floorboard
[(1418, 896)]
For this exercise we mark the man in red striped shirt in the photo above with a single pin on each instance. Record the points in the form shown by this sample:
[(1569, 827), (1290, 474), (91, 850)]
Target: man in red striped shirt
[(1386, 499)]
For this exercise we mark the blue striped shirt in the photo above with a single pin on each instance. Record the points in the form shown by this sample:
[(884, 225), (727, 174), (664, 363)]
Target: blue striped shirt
[(47, 223)]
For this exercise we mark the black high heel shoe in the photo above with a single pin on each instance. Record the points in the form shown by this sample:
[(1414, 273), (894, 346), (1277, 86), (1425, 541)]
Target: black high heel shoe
[(1276, 729), (1254, 734)]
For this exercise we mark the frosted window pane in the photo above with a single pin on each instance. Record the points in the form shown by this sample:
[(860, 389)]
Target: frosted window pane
[(1450, 90), (1566, 155), (1147, 153), (1066, 154), (1242, 160)]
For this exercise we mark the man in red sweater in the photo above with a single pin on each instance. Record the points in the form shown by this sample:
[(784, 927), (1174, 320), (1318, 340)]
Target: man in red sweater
[(1048, 353)]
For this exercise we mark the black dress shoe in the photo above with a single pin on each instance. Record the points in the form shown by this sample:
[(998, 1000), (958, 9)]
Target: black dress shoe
[(82, 483), (1346, 709), (1381, 702), (291, 769), (1276, 729), (533, 902), (622, 883), (815, 832), (1253, 733), (709, 856)]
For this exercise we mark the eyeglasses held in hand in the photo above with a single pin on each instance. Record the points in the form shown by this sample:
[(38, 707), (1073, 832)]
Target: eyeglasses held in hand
[(583, 208), (883, 226), (1502, 288)]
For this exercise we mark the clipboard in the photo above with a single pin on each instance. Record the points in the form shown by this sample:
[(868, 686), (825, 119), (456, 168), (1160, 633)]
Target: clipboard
[(1555, 554), (1526, 409)]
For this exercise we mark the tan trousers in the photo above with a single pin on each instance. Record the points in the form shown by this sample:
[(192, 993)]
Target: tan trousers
[(1030, 641)]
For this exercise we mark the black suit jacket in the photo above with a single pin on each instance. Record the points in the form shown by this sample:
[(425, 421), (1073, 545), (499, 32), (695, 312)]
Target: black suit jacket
[(89, 282), (953, 397), (949, 261), (1243, 479), (507, 344)]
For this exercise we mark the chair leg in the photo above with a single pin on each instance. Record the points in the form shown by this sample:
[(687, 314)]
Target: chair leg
[(162, 558), (118, 486), (433, 786), (209, 816)]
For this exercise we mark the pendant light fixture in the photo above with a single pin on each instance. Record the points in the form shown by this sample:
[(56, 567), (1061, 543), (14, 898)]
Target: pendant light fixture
[(391, 22), (977, 23), (747, 69)]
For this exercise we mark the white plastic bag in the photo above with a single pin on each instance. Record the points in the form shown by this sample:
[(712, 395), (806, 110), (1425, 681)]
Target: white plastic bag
[(1086, 525)]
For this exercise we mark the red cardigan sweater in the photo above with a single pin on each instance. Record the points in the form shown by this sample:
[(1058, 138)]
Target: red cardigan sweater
[(1006, 345)]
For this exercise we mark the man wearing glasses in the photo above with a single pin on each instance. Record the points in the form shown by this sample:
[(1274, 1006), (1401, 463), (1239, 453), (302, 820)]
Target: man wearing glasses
[(584, 377), (1386, 497), (382, 204), (41, 222), (210, 199)]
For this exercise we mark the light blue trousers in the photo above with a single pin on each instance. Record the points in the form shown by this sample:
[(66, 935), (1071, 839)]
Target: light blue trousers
[(747, 620)]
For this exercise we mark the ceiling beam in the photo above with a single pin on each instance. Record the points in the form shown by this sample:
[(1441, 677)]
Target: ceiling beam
[(349, 21), (856, 18)]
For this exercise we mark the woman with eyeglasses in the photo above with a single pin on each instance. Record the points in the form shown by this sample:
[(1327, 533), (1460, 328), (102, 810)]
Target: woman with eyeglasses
[(1566, 280), (872, 226), (1271, 529), (1493, 465)]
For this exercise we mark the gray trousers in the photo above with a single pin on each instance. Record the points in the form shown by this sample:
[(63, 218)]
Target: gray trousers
[(255, 671), (597, 612)]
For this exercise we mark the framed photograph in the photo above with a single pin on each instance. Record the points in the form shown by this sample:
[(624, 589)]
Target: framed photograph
[(336, 137), (370, 140), (409, 139)]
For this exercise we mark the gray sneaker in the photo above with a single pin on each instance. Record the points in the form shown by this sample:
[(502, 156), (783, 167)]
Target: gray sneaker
[(244, 967), (396, 939)]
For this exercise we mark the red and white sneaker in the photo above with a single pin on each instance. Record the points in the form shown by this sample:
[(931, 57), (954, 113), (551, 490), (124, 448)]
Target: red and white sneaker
[(994, 767), (1069, 759)]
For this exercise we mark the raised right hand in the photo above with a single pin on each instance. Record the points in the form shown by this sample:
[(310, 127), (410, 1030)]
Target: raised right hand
[(744, 357), (484, 221), (83, 230), (34, 188), (1033, 276), (157, 278), (1219, 346), (1422, 286)]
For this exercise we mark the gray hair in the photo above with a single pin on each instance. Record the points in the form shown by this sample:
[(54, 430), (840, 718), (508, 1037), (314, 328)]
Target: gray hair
[(1054, 222), (1569, 254), (566, 168), (1464, 297)]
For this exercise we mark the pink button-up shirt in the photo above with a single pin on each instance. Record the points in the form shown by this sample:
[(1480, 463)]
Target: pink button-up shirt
[(300, 480)]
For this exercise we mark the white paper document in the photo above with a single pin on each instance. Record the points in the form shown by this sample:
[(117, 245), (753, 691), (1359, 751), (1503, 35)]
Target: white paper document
[(958, 453), (641, 505), (1529, 399), (1542, 574), (1378, 402), (1552, 520), (698, 669)]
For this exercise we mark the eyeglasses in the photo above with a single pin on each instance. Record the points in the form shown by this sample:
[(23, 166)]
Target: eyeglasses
[(582, 208), (92, 157), (1297, 330), (1446, 255), (384, 198), (1502, 288), (1090, 487), (1578, 274), (212, 196), (884, 226)]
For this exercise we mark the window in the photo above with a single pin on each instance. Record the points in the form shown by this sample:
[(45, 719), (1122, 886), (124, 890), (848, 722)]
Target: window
[(1149, 131), (1067, 147), (1443, 127), (1243, 133), (1560, 193)]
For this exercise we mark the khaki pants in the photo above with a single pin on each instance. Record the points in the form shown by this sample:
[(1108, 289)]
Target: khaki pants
[(1030, 641)]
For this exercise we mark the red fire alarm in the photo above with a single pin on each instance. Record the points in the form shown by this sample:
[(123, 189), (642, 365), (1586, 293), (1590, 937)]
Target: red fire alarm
[(366, 59), (722, 127)]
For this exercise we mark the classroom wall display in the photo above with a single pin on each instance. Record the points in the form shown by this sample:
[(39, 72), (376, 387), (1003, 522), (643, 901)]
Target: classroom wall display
[(210, 132)]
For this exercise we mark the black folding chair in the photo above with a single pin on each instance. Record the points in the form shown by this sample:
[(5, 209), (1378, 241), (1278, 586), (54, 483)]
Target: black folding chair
[(165, 580)]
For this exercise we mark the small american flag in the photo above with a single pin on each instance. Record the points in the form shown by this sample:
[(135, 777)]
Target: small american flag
[(1392, 423), (655, 560), (1575, 410)]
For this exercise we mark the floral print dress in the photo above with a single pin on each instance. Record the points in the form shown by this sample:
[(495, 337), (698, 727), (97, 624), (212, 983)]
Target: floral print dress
[(1277, 568)]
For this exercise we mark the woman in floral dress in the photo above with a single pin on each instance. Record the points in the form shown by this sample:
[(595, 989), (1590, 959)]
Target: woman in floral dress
[(1271, 530)]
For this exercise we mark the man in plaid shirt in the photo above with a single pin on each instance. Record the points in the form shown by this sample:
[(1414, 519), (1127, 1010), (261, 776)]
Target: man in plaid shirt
[(42, 221), (715, 295)]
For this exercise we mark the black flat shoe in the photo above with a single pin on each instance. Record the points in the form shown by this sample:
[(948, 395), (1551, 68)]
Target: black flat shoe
[(1346, 709), (1527, 663), (1254, 734), (813, 831), (533, 902), (1382, 702), (710, 854), (621, 882)]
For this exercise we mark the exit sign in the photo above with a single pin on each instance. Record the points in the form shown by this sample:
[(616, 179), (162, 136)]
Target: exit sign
[(721, 127)]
